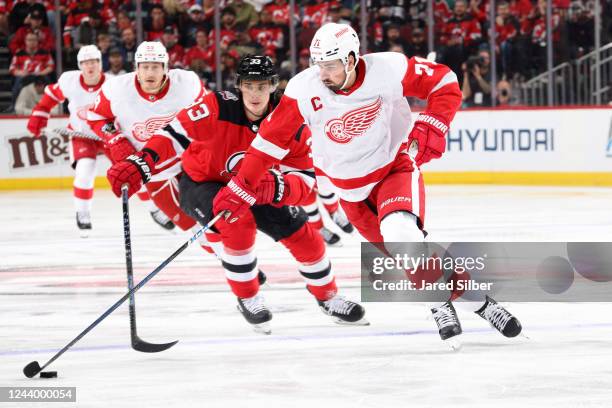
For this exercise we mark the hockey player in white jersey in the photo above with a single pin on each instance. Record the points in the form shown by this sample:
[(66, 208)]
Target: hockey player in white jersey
[(366, 144), (128, 110), (80, 88)]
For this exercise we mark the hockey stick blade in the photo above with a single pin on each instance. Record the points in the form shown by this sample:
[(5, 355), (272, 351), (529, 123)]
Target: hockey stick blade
[(138, 344)]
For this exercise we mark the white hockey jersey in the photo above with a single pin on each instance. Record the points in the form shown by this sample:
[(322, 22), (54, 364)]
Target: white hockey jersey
[(81, 98), (357, 133), (138, 115)]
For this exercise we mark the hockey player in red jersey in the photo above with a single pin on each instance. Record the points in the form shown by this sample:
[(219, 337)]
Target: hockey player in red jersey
[(80, 88), (131, 107), (214, 133), (366, 145)]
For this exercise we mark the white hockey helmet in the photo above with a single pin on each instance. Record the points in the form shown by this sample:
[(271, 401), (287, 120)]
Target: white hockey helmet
[(334, 41), (88, 52), (151, 51)]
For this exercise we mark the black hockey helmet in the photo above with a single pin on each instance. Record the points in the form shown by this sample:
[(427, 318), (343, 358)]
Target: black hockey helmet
[(256, 67)]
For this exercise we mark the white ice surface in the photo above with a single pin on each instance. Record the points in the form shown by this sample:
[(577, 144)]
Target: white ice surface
[(53, 284)]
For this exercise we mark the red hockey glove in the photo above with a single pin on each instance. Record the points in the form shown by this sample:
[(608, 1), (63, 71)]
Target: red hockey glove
[(429, 132), (235, 198), (120, 148), (272, 188), (133, 171), (38, 121)]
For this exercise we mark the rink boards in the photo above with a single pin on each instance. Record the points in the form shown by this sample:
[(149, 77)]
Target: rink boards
[(518, 146)]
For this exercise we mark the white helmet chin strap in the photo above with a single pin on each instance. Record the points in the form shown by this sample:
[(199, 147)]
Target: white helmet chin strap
[(348, 74)]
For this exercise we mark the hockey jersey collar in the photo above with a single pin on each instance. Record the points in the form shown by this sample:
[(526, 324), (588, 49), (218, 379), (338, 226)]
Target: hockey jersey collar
[(90, 88), (361, 69), (152, 97)]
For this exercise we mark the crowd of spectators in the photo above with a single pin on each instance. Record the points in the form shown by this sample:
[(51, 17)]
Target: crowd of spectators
[(185, 27)]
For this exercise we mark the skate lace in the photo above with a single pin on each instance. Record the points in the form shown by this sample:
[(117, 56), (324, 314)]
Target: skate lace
[(160, 217), (254, 305), (339, 305), (444, 316), (84, 217), (497, 315)]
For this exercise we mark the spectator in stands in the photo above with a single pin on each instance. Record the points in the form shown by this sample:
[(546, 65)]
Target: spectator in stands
[(30, 96), (115, 61), (122, 22), (580, 30), (156, 24), (268, 34), (393, 37), (128, 47), (104, 44), (315, 13), (334, 14), (229, 62), (246, 16), (87, 31), (208, 8), (21, 10), (33, 24), (244, 45), (228, 27), (195, 22), (176, 53), (279, 9), (461, 36), (418, 44), (476, 85), (78, 14), (507, 29), (535, 27), (201, 57), (29, 63), (303, 60), (504, 93)]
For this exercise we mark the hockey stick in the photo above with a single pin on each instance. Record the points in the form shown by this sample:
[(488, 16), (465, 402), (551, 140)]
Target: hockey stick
[(72, 133), (34, 368), (138, 344)]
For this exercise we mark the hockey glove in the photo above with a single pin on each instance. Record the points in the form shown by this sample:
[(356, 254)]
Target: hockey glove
[(38, 121), (133, 171), (272, 188), (235, 198), (120, 148), (429, 132)]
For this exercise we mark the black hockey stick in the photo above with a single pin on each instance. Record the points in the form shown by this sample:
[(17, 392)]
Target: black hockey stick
[(138, 344), (34, 368)]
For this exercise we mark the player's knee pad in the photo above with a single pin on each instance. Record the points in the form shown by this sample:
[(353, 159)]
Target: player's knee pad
[(401, 226), (85, 173)]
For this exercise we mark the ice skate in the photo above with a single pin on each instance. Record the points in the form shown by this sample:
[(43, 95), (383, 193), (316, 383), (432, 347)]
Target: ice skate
[(83, 220), (330, 237), (499, 318), (162, 220), (448, 324), (340, 219), (344, 311), (256, 313)]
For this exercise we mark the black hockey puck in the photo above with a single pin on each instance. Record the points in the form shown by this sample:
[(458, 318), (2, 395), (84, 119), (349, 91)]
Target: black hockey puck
[(48, 374), (31, 369)]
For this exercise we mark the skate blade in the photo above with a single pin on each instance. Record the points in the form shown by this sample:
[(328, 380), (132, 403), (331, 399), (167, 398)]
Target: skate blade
[(84, 233), (361, 322), (453, 343), (262, 328), (337, 244)]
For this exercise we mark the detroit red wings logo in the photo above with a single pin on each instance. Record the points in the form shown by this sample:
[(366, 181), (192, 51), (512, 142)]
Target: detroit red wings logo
[(353, 123), (82, 111), (143, 131)]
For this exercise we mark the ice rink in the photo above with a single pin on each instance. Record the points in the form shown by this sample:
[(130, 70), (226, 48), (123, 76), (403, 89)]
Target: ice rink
[(53, 284)]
